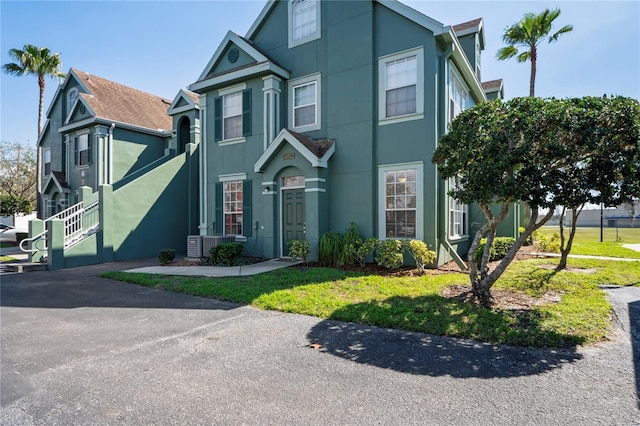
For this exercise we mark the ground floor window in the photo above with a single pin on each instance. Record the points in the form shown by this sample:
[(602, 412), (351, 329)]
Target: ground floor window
[(401, 204), (233, 208), (458, 213)]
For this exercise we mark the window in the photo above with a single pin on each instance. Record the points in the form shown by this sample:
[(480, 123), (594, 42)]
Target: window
[(71, 99), (46, 160), (457, 214), (304, 21), (233, 205), (458, 95), (232, 114), (82, 150), (233, 208), (401, 86), (304, 103), (401, 201)]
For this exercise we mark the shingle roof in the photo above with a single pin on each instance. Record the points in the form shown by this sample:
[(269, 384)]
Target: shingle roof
[(194, 96), (468, 24), (61, 178), (317, 147), (117, 102), (492, 84)]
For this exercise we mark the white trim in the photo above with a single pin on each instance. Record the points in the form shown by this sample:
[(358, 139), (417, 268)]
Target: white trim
[(240, 74), (182, 94), (315, 190), (232, 89), (285, 136), (292, 84), (418, 52), (311, 37), (202, 164), (232, 177), (233, 141), (231, 37), (272, 183), (419, 167), (314, 180)]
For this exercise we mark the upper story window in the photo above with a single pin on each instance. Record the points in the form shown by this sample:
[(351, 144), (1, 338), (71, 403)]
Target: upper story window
[(458, 95), (232, 114), (82, 150), (46, 160), (304, 21), (304, 103), (72, 95), (401, 86)]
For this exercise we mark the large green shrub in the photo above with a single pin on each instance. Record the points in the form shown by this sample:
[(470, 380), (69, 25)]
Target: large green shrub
[(226, 254), (329, 248), (421, 254), (390, 254), (547, 244), (499, 249), (166, 256)]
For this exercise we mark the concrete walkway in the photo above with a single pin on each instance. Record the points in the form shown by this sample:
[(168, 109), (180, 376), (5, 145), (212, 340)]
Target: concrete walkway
[(218, 271)]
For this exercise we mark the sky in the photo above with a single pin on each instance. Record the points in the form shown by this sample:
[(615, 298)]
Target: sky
[(162, 46)]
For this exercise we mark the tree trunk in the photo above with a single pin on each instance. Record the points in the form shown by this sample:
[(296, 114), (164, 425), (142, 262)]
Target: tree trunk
[(39, 213), (565, 250), (532, 80)]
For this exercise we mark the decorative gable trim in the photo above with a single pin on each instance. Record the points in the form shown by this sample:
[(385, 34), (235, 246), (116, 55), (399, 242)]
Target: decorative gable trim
[(79, 102), (471, 27), (57, 179), (182, 102), (306, 146)]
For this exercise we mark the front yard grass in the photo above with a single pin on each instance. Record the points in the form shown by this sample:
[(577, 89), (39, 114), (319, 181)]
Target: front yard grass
[(587, 241), (575, 311)]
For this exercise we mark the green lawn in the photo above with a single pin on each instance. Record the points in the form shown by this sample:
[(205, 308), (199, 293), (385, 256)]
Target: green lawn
[(414, 302), (587, 241), (7, 259)]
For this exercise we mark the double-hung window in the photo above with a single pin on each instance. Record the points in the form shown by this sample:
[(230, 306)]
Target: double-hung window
[(232, 114), (457, 214), (304, 21), (401, 201), (82, 150), (46, 160), (458, 95), (233, 208), (401, 86), (304, 102)]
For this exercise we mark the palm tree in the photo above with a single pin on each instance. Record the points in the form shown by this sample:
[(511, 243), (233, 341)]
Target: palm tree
[(529, 32), (38, 61)]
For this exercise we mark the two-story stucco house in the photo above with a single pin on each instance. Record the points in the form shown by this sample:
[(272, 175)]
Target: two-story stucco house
[(327, 113)]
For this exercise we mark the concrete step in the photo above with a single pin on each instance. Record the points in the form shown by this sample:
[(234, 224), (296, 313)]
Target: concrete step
[(24, 267)]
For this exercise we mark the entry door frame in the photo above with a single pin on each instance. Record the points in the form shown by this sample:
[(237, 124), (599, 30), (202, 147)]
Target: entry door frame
[(282, 201)]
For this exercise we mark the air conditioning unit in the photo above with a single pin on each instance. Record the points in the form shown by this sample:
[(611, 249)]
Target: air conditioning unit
[(194, 246), (211, 241)]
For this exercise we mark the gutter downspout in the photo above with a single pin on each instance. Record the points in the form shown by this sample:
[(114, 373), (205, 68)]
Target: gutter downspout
[(445, 242), (110, 155)]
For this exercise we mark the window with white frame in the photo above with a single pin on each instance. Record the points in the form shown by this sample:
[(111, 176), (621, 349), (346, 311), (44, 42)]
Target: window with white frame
[(72, 95), (458, 95), (46, 161), (305, 103), (232, 206), (304, 21), (457, 214), (83, 152), (401, 85), (232, 115), (401, 202)]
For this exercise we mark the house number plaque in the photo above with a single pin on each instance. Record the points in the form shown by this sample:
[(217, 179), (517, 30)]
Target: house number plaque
[(289, 156)]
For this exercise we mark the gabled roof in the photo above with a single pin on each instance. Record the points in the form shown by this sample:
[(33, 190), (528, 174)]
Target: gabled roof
[(185, 100), (492, 85), (59, 180), (263, 64), (471, 27), (114, 102), (316, 151)]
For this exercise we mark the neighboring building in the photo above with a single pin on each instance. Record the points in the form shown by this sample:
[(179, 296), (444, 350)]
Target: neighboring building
[(328, 113)]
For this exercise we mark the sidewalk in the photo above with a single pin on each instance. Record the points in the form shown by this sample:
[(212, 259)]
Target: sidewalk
[(218, 271)]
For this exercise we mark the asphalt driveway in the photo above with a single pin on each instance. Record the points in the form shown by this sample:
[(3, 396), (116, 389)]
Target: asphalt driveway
[(77, 349)]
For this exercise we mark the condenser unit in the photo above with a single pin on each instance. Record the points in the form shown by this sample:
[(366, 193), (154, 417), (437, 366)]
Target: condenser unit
[(194, 246)]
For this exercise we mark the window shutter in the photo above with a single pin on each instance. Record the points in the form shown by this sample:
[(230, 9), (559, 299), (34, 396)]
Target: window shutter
[(246, 112), (219, 224), (246, 208), (217, 119), (75, 151)]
